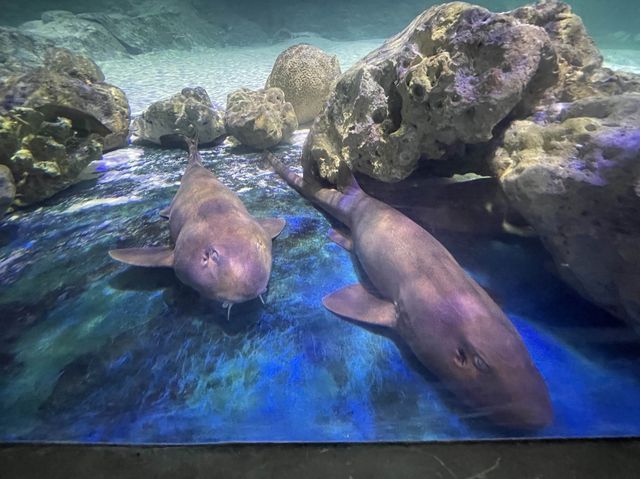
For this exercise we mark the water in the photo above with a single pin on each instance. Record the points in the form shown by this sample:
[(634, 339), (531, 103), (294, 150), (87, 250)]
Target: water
[(93, 351)]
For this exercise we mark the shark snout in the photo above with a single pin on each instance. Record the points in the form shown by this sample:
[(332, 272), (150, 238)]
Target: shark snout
[(529, 408)]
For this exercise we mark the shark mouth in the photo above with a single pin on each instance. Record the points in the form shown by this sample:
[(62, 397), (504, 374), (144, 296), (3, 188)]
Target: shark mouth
[(228, 305)]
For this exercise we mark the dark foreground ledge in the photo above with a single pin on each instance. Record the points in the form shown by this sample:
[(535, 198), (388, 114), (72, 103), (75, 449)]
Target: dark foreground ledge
[(611, 458)]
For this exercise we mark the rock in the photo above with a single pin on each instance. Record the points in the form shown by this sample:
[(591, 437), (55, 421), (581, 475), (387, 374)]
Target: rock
[(43, 157), (305, 74), (448, 79), (73, 83), (260, 119), (76, 34), (178, 29), (576, 179), (53, 15), (64, 62), (19, 51), (7, 189), (185, 113)]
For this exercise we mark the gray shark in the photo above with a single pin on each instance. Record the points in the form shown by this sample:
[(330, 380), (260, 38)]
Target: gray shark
[(417, 288), (219, 249)]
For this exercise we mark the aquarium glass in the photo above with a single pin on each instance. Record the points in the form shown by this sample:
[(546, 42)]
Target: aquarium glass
[(95, 351)]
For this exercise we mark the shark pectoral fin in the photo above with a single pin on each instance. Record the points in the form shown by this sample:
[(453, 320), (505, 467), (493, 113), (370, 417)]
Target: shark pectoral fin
[(341, 239), (164, 213), (355, 302), (148, 257), (273, 226)]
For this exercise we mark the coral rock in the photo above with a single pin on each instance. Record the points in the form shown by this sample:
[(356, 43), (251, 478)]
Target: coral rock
[(260, 119), (449, 78), (43, 157), (7, 189), (189, 113), (305, 74), (577, 182), (71, 85)]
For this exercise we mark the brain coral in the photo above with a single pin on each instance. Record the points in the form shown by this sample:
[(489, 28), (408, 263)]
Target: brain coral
[(305, 73)]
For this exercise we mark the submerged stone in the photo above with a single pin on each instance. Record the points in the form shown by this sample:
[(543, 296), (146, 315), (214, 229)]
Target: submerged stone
[(71, 86), (260, 119), (576, 181), (187, 113), (447, 79)]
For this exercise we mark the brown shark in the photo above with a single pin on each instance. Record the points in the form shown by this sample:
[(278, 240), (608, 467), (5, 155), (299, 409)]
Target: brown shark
[(450, 323), (219, 249)]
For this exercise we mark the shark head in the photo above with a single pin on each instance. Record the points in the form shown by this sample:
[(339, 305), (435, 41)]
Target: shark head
[(228, 268), (479, 355)]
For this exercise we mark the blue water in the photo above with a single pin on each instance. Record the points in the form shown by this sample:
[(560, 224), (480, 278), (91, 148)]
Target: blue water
[(93, 351)]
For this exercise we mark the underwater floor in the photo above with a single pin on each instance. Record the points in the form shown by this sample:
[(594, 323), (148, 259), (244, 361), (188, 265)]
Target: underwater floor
[(93, 351)]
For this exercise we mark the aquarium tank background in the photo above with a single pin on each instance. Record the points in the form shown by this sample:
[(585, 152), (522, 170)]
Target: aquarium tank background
[(478, 277)]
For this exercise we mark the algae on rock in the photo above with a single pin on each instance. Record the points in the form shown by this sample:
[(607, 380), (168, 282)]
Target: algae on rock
[(187, 113), (72, 85), (43, 157), (449, 78), (260, 119)]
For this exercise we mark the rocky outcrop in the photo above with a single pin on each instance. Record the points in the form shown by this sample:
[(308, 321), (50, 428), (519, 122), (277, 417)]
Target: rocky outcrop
[(71, 85), (260, 119), (7, 189), (187, 113), (305, 74), (66, 30), (576, 179), (448, 79), (19, 51), (43, 157), (141, 28)]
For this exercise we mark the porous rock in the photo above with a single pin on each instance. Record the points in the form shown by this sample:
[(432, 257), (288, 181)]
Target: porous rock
[(305, 74), (187, 113), (7, 189), (260, 119), (449, 78), (71, 82), (43, 157), (576, 180)]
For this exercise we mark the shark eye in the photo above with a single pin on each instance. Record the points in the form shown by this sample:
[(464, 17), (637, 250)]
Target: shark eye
[(210, 254), (480, 364), (461, 357)]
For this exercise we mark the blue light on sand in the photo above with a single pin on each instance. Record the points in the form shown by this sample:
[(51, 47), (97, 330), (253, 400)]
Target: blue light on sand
[(92, 351)]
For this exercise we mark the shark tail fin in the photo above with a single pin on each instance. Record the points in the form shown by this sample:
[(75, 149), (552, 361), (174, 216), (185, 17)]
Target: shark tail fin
[(194, 154), (345, 181), (293, 179)]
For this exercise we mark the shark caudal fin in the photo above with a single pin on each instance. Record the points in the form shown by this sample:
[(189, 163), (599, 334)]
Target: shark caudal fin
[(293, 179), (194, 154), (335, 202), (345, 181)]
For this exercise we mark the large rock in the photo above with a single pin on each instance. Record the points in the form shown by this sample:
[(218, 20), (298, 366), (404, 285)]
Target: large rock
[(305, 74), (145, 26), (184, 114), (260, 119), (72, 84), (7, 189), (44, 157), (577, 181), (19, 51), (173, 29), (448, 79), (79, 35)]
